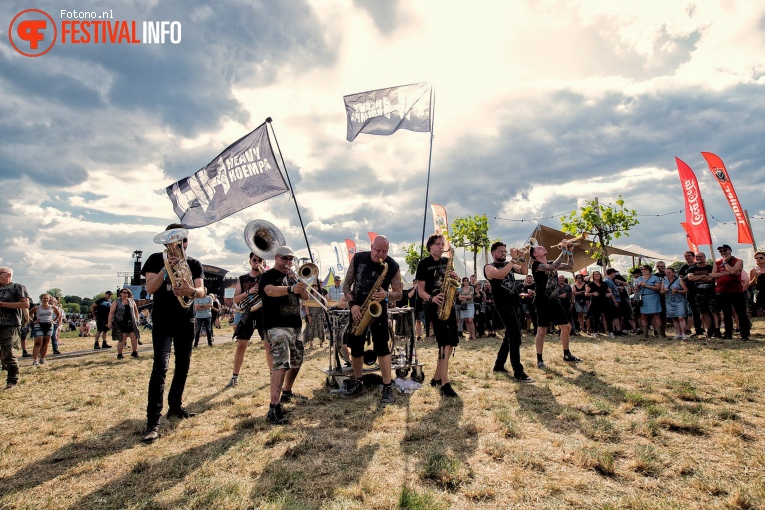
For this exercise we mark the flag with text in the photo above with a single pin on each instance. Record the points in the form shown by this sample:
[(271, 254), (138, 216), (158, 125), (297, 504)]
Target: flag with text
[(717, 168), (385, 111)]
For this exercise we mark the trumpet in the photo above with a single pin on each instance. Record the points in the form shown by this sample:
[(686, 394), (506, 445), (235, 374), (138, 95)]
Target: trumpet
[(576, 241), (526, 249)]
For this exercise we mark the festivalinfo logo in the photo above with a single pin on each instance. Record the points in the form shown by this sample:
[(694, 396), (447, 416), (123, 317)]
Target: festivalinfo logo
[(34, 32)]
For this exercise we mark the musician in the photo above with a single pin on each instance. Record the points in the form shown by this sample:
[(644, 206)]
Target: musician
[(280, 293), (360, 279), (173, 327), (14, 299), (430, 275), (508, 306), (549, 308), (247, 285)]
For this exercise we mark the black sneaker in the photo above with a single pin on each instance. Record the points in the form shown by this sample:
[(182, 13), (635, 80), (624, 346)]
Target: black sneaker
[(435, 382), (120, 356), (180, 413), (56, 352), (571, 358), (501, 370), (151, 434), (26, 355), (524, 378), (387, 396), (448, 391), (288, 396), (96, 346), (275, 416), (105, 346), (134, 354), (354, 389)]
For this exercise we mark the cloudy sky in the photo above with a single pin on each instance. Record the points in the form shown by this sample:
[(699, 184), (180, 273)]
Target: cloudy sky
[(539, 106)]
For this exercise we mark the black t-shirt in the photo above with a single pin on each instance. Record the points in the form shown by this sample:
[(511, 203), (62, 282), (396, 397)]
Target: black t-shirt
[(699, 286), (103, 306), (529, 297), (601, 299), (12, 293), (282, 311), (366, 272), (167, 310), (504, 290), (431, 272), (540, 280)]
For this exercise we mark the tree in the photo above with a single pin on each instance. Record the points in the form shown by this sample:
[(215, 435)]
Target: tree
[(56, 293), (73, 299), (601, 223), (71, 307), (412, 258), (471, 233)]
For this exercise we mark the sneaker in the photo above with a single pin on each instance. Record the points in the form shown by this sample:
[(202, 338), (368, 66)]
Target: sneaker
[(275, 416), (501, 370), (56, 352), (677, 337), (289, 396), (120, 356), (448, 391), (96, 346), (35, 363), (435, 382), (387, 396), (354, 389), (151, 434), (571, 358), (595, 335), (134, 354), (42, 361), (541, 365), (233, 382), (683, 337), (180, 413), (698, 334), (105, 346), (26, 355), (140, 343), (611, 335), (523, 378)]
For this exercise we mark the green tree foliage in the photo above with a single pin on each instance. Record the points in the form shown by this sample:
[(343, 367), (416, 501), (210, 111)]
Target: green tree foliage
[(56, 293), (412, 258), (602, 223), (471, 233), (73, 299), (70, 307)]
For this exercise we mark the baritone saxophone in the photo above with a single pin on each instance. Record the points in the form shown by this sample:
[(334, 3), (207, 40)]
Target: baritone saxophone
[(371, 309)]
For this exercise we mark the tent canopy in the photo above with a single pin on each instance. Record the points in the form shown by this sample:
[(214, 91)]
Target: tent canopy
[(549, 237)]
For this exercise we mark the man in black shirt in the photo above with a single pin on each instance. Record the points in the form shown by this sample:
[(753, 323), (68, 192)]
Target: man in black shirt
[(247, 285), (704, 298), (690, 260), (13, 300), (508, 306), (546, 301), (363, 272), (281, 293), (431, 272), (173, 327), (100, 310)]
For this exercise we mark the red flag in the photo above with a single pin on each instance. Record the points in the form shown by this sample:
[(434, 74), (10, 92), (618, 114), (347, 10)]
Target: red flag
[(350, 244), (717, 168), (372, 236), (695, 215), (691, 245)]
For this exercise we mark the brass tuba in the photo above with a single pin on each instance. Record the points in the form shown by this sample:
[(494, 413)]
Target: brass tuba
[(448, 289), (263, 238), (371, 309), (179, 273)]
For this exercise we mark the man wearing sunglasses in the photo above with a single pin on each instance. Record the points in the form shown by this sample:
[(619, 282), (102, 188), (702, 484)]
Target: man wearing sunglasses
[(13, 300), (281, 295), (247, 285), (173, 327)]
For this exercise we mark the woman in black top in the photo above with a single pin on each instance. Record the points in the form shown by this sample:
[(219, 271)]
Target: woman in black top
[(600, 294)]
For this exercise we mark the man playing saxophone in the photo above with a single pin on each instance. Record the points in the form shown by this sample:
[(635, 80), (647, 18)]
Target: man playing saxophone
[(367, 280), (246, 290), (432, 275), (173, 326)]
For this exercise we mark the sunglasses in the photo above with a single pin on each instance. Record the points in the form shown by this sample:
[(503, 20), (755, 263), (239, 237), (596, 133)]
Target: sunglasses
[(257, 261), (287, 259)]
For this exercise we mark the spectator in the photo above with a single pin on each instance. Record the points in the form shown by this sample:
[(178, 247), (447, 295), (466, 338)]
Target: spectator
[(599, 294), (674, 289), (705, 300), (730, 291), (690, 261), (45, 314), (650, 305), (581, 303), (757, 279), (13, 300), (203, 318), (467, 307), (100, 311), (123, 321)]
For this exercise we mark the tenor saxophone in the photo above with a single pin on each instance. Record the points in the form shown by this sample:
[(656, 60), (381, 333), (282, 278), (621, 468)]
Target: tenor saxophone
[(371, 309), (448, 289)]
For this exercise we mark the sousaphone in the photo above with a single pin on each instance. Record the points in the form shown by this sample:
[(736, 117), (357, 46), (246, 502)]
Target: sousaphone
[(263, 238)]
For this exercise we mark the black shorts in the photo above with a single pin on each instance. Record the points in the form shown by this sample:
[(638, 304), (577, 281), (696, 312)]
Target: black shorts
[(445, 331), (549, 310), (380, 337), (246, 328), (101, 326), (706, 302)]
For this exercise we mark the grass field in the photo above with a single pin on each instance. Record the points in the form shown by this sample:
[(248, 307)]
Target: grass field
[(658, 424)]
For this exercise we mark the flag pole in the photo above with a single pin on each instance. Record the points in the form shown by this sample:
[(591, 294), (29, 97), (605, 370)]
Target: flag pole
[(430, 159), (709, 232), (751, 232), (292, 190)]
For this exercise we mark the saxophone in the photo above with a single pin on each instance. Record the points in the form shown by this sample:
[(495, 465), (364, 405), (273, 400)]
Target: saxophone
[(448, 289), (179, 273), (371, 309)]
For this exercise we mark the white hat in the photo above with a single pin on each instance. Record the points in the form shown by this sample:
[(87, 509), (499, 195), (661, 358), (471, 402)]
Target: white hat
[(285, 251)]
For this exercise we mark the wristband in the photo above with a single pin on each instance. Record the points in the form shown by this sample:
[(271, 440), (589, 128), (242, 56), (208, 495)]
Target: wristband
[(290, 290)]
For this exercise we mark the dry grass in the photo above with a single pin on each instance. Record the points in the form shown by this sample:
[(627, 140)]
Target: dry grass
[(659, 424)]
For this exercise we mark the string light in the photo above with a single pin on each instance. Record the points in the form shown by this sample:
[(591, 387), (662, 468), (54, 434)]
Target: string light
[(522, 220)]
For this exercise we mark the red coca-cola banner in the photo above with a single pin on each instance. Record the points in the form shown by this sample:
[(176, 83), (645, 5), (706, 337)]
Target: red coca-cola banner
[(697, 227), (717, 168), (350, 244), (691, 245)]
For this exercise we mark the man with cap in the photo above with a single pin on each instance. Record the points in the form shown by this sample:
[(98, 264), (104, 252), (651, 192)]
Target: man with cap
[(100, 311), (280, 293), (730, 291), (336, 292), (173, 329), (13, 300)]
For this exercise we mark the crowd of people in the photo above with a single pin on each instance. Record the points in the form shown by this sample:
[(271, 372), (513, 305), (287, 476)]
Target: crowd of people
[(706, 296)]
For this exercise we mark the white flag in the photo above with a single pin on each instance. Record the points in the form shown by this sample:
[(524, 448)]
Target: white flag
[(385, 111)]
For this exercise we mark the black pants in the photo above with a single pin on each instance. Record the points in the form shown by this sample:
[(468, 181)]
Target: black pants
[(729, 301), (511, 344), (697, 325), (180, 339), (207, 323)]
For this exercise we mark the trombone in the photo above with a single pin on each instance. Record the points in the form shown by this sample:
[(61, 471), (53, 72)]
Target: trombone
[(307, 273)]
